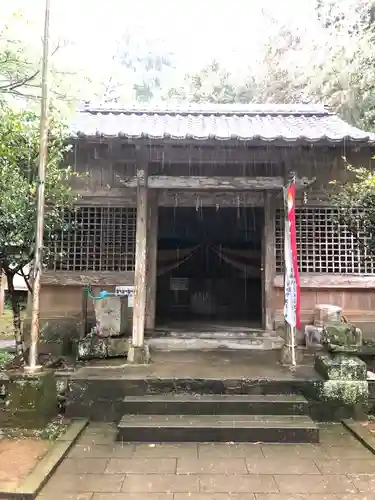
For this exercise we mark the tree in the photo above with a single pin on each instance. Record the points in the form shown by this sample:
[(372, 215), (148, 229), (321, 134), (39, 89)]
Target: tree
[(357, 191), (212, 84), (330, 61), (136, 70), (19, 153)]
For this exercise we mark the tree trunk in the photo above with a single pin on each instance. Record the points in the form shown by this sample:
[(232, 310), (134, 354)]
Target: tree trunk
[(16, 310)]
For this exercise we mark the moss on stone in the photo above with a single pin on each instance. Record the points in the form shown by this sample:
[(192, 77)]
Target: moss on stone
[(340, 367), (31, 400), (341, 336), (348, 392)]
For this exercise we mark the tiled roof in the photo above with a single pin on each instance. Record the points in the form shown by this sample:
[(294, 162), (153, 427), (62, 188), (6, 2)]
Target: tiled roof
[(267, 123)]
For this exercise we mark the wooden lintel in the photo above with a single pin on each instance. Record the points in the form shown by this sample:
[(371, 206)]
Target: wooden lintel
[(222, 183), (337, 281), (81, 278)]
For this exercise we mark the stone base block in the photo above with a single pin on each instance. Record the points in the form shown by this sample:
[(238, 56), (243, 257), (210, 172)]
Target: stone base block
[(346, 391), (92, 348), (341, 367), (139, 355), (117, 346), (30, 402), (102, 347)]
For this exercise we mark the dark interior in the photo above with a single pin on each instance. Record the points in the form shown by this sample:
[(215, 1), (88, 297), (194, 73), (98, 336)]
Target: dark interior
[(209, 265)]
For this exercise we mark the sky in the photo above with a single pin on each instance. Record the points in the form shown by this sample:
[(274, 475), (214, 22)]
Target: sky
[(195, 30)]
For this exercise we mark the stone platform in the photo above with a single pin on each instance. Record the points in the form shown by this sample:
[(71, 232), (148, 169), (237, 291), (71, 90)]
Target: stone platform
[(208, 335), (213, 365)]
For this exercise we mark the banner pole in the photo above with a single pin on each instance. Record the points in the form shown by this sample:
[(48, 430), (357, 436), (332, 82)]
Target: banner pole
[(292, 334), (293, 328)]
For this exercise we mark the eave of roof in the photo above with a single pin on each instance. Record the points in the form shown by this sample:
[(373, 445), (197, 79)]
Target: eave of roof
[(265, 123)]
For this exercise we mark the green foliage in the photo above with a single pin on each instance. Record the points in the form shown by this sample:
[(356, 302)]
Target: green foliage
[(19, 157), (19, 160), (357, 192), (5, 358)]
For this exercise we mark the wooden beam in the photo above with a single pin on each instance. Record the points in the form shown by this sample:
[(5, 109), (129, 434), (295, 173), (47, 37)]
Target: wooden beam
[(180, 198), (139, 308), (79, 278), (152, 249), (269, 258), (222, 183), (330, 281), (218, 199)]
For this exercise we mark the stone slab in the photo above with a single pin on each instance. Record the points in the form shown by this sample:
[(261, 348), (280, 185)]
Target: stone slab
[(304, 483), (160, 483), (218, 404), (363, 435), (140, 465), (217, 428), (238, 484), (111, 316), (211, 466)]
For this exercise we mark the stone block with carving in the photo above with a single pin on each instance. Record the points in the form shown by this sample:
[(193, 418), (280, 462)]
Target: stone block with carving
[(313, 337), (111, 316), (342, 337)]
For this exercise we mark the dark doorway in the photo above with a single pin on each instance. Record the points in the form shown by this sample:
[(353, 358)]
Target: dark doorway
[(209, 265)]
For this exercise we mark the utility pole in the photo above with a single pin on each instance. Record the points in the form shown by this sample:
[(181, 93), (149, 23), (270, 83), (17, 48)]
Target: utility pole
[(38, 257)]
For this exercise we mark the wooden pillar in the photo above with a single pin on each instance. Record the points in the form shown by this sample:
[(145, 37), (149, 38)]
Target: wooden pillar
[(152, 251), (136, 352), (269, 259)]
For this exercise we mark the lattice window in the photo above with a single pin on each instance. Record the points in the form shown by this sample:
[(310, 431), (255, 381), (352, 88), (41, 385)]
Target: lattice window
[(323, 245), (97, 239)]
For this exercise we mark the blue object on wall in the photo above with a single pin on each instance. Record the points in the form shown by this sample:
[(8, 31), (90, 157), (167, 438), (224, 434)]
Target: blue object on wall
[(102, 295)]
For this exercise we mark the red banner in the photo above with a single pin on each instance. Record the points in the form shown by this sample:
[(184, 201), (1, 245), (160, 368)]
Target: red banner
[(291, 198)]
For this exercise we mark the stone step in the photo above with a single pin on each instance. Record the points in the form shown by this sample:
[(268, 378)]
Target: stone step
[(215, 404), (206, 340), (218, 428)]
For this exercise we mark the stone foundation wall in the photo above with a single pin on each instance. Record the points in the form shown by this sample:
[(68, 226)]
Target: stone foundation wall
[(60, 317)]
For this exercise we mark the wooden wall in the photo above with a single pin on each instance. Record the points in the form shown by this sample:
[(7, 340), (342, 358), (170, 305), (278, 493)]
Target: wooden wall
[(355, 295), (108, 164)]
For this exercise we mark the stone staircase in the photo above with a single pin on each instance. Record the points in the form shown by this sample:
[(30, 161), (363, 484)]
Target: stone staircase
[(216, 418)]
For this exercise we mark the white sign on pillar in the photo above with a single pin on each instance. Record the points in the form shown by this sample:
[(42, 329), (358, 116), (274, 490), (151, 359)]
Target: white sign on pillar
[(125, 291)]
